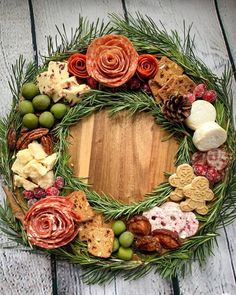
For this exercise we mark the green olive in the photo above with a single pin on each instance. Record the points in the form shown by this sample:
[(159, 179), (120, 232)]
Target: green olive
[(46, 119), (58, 110), (125, 253), (29, 90), (126, 239), (118, 227), (26, 107), (30, 121), (41, 102), (116, 245)]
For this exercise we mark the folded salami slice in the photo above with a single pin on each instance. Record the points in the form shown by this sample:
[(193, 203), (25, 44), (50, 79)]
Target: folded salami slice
[(217, 158), (51, 222), (199, 158), (111, 60)]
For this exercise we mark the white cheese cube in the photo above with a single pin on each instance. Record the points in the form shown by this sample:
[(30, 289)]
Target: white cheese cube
[(37, 151), (17, 167), (47, 180), (22, 182), (74, 93), (24, 156), (64, 84), (34, 169), (49, 162), (202, 111), (209, 136)]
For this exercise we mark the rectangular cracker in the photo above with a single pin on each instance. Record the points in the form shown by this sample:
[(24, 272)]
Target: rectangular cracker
[(177, 84), (154, 88), (81, 206), (100, 242), (167, 68), (96, 222)]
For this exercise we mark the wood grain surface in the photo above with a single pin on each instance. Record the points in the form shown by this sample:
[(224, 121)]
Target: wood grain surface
[(20, 31), (123, 156)]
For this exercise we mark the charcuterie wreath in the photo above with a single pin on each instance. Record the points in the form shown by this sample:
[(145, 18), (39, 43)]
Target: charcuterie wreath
[(133, 66)]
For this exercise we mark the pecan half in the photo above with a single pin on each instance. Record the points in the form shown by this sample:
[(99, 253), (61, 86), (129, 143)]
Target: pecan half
[(139, 225), (168, 239), (46, 142), (28, 137), (148, 243), (11, 138)]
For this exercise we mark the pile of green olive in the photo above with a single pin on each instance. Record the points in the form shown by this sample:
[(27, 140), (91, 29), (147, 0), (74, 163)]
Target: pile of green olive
[(123, 240), (37, 109)]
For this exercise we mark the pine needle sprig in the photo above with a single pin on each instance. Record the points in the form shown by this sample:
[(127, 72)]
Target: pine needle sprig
[(62, 46)]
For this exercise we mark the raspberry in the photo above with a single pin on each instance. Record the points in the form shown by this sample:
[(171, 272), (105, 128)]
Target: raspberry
[(39, 193), (91, 82), (59, 182), (31, 202), (213, 175), (191, 97), (134, 84), (28, 194), (210, 96), (52, 191), (200, 169), (199, 90)]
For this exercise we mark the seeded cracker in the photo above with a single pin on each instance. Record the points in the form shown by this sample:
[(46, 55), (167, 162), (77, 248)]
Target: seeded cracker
[(167, 68), (177, 84)]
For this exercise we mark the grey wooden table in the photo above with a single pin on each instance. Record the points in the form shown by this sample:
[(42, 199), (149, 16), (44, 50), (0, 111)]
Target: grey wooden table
[(23, 26)]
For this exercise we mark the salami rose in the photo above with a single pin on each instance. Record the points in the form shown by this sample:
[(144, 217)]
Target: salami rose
[(51, 222), (147, 66), (111, 60), (77, 65)]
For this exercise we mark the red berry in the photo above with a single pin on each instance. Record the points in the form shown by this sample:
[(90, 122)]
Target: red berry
[(213, 175), (28, 194), (59, 182), (134, 83), (200, 169), (199, 90), (39, 193), (31, 202), (52, 191), (210, 96), (145, 87), (91, 82), (191, 97)]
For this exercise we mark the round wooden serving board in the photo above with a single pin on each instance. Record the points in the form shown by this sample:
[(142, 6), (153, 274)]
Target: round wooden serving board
[(122, 156)]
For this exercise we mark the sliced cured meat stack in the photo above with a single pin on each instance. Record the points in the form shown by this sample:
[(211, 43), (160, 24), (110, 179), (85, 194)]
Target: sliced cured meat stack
[(51, 223), (217, 158), (111, 60)]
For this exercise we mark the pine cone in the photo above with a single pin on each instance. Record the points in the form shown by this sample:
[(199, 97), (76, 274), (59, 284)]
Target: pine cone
[(176, 108)]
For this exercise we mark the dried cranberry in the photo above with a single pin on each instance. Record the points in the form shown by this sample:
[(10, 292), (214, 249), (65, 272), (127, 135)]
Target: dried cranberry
[(199, 90), (200, 169), (39, 193), (91, 82), (52, 191), (59, 182), (210, 96), (191, 97), (28, 194), (145, 87), (134, 84)]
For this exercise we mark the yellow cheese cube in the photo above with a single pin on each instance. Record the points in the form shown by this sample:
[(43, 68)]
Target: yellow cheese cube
[(22, 182), (24, 156), (49, 162), (37, 151), (34, 169)]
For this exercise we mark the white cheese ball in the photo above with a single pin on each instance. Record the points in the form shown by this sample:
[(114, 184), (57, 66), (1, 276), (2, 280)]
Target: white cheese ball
[(202, 111), (209, 136)]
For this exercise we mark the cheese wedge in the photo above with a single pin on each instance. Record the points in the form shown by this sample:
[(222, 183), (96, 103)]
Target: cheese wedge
[(34, 169), (37, 151), (24, 156), (47, 180), (209, 136), (22, 182), (17, 168), (49, 162), (202, 111)]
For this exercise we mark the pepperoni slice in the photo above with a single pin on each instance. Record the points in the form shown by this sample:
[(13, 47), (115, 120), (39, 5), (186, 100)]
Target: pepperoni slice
[(217, 158), (51, 222), (111, 60)]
